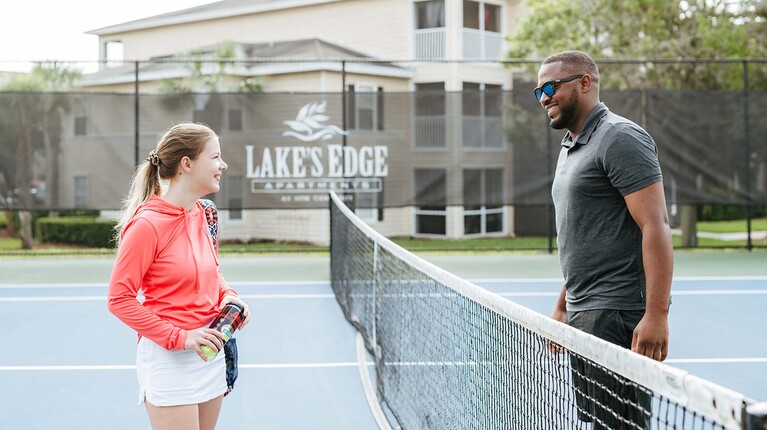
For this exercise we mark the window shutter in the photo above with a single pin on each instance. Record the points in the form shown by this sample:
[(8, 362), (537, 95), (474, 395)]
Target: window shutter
[(380, 109), (350, 109), (380, 202)]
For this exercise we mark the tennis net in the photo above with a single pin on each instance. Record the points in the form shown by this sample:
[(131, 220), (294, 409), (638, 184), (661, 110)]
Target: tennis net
[(451, 355)]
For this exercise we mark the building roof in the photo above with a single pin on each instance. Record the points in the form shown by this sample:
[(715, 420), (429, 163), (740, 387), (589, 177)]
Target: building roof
[(254, 59), (220, 9)]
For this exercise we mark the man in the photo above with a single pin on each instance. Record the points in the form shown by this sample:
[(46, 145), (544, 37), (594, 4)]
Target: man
[(612, 231)]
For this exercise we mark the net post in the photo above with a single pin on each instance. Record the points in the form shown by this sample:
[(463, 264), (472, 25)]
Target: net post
[(330, 229), (755, 417), (374, 340)]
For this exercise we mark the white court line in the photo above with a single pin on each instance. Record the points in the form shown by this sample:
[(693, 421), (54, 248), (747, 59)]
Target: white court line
[(530, 294), (48, 286), (367, 385), (287, 296), (676, 279), (512, 281), (299, 296), (673, 293), (716, 292), (133, 367), (53, 286), (104, 298), (54, 299), (715, 360)]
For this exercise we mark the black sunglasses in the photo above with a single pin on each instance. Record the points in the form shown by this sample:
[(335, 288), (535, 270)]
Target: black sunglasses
[(549, 89)]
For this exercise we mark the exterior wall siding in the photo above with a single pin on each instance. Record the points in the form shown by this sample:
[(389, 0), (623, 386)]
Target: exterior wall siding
[(379, 27)]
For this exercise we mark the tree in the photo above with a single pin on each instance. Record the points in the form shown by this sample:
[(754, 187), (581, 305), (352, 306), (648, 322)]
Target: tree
[(31, 120), (658, 29), (670, 30), (210, 72)]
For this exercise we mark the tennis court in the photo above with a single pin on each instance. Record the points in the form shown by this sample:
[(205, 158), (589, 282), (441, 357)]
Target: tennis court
[(69, 363)]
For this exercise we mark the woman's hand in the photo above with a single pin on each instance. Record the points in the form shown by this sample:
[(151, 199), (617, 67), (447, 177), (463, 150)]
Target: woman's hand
[(237, 300), (204, 336)]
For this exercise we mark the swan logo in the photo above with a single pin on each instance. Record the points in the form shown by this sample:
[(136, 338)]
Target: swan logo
[(309, 124)]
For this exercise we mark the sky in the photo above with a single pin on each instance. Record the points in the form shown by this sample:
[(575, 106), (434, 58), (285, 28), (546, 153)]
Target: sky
[(36, 30)]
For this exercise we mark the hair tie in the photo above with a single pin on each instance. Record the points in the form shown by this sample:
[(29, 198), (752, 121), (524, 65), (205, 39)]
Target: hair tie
[(153, 158)]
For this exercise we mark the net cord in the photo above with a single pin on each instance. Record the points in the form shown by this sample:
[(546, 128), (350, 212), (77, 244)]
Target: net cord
[(705, 397)]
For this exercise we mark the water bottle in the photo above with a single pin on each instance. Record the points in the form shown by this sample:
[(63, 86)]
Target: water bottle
[(228, 320)]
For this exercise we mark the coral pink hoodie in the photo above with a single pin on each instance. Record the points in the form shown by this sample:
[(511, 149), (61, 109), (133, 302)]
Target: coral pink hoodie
[(167, 253)]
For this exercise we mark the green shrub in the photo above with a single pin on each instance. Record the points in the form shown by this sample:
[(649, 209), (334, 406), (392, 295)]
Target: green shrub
[(76, 230), (728, 212), (36, 215)]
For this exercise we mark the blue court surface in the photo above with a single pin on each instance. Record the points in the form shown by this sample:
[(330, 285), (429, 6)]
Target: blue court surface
[(69, 364)]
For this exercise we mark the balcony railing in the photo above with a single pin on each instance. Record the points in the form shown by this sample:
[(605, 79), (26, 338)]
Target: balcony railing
[(430, 44), (430, 132), (481, 45), (482, 132)]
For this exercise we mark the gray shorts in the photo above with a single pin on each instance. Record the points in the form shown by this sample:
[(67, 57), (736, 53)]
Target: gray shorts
[(605, 399)]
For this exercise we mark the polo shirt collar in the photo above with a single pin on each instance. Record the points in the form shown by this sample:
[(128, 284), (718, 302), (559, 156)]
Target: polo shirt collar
[(588, 127)]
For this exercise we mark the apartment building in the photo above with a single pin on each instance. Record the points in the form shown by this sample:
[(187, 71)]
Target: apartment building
[(395, 103)]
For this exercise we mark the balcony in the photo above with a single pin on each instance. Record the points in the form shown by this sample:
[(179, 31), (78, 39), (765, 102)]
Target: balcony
[(481, 45), (482, 132), (430, 44), (430, 132)]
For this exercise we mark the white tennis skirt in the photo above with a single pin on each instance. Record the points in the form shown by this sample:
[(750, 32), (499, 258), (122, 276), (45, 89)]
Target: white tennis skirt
[(172, 378)]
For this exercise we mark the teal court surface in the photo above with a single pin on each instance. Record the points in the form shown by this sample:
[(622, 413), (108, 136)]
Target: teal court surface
[(69, 364)]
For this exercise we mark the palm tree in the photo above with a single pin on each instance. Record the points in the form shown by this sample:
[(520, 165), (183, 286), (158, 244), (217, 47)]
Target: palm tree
[(33, 112), (207, 77)]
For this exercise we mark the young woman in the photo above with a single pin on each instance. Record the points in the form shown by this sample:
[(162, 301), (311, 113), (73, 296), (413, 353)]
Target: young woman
[(166, 252)]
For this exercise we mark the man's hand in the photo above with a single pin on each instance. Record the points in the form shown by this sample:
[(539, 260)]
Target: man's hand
[(651, 337), (559, 314)]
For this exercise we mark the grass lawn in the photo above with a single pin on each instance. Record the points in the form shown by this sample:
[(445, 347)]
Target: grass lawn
[(12, 246), (758, 224), (9, 244), (487, 243), (237, 248)]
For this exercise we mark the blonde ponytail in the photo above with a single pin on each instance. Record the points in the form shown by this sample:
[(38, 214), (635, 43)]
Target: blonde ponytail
[(145, 184)]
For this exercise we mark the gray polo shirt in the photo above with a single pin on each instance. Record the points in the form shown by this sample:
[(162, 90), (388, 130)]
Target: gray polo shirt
[(600, 245)]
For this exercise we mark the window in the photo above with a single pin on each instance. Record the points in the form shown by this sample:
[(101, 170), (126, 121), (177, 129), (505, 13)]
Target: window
[(234, 203), (199, 116), (367, 206), (80, 115), (210, 116), (114, 53), (365, 107), (82, 191), (481, 106), (235, 119), (483, 201), (431, 201), (481, 16), (482, 38), (430, 34), (430, 14), (430, 115), (81, 126)]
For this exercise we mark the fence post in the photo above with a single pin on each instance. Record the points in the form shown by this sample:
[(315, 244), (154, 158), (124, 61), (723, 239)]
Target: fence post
[(135, 113), (344, 125), (344, 114), (550, 206), (747, 155)]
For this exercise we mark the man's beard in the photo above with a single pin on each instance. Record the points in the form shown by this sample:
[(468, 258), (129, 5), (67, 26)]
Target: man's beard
[(566, 112)]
